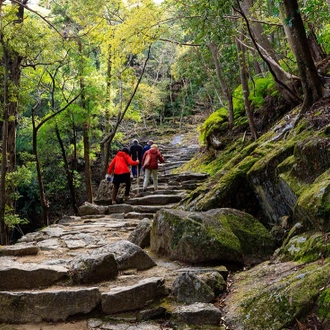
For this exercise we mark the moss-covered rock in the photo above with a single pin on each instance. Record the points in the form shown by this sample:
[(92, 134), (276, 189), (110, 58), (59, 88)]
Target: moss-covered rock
[(220, 194), (312, 158), (215, 236), (305, 247), (275, 199), (274, 296), (313, 205)]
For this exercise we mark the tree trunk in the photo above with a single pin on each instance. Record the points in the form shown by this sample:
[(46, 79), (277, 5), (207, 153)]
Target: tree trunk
[(224, 87), (105, 146), (310, 81), (43, 200), (3, 227), (88, 172), (12, 73), (283, 80), (317, 52), (69, 174), (245, 89), (86, 128)]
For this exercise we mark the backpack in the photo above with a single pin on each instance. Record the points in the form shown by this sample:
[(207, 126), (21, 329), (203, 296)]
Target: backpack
[(147, 159)]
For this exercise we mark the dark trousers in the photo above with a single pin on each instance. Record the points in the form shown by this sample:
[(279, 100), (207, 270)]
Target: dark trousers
[(117, 180), (135, 169)]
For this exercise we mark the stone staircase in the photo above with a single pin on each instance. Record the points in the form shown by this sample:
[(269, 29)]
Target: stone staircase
[(94, 271)]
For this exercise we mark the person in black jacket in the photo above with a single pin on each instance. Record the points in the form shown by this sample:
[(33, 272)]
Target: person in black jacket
[(135, 152)]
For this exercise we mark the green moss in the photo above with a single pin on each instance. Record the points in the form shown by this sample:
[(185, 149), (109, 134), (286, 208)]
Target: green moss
[(314, 203), (324, 304), (279, 301), (307, 247), (217, 121)]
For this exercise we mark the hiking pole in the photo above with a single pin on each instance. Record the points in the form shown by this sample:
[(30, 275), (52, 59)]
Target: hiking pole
[(137, 174), (164, 174)]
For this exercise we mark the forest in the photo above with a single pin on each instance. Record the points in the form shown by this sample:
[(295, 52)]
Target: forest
[(76, 75)]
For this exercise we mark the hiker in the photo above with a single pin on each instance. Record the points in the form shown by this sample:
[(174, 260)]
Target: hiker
[(150, 164), (147, 147), (135, 151), (121, 173)]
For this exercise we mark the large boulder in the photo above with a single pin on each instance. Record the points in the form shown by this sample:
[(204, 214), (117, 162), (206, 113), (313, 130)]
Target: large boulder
[(275, 295), (214, 236), (219, 194)]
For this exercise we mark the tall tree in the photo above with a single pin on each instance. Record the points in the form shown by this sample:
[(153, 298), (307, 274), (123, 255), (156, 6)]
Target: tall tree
[(12, 74), (310, 80)]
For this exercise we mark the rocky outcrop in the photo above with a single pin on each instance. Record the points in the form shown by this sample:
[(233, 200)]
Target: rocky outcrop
[(276, 295), (215, 236), (285, 174)]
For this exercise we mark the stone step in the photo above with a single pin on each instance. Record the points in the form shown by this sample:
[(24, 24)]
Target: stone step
[(87, 264), (155, 200), (47, 305)]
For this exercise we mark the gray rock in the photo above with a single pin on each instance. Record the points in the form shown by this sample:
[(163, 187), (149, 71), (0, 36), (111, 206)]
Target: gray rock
[(128, 255), (15, 276), (156, 200), (53, 306), (188, 288), (50, 244), (103, 194), (89, 208), (19, 250), (94, 268), (214, 280), (199, 313), (53, 231), (141, 235), (123, 299), (217, 236)]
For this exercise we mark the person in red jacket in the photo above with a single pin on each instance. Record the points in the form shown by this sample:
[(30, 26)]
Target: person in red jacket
[(119, 167), (150, 164)]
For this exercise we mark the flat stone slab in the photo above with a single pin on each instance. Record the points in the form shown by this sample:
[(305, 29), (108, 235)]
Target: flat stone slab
[(156, 200), (19, 250), (123, 299), (51, 306), (198, 313), (15, 276)]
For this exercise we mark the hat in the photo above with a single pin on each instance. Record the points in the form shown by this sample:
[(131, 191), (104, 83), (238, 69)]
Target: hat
[(125, 150), (154, 146), (135, 140), (150, 142)]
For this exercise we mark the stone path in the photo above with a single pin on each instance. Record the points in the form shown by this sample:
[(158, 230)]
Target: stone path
[(94, 271)]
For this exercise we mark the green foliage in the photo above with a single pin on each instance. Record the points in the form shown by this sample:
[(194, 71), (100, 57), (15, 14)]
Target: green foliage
[(12, 220), (260, 88), (324, 38)]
